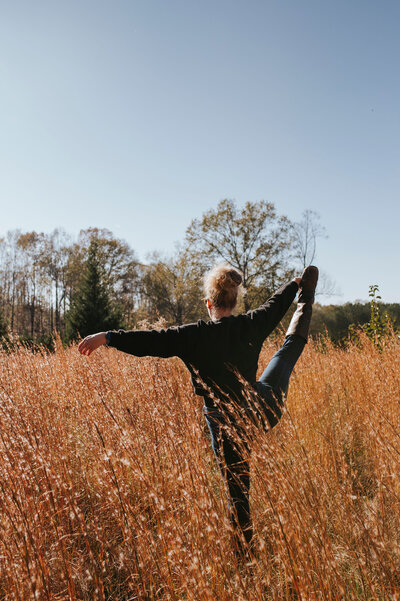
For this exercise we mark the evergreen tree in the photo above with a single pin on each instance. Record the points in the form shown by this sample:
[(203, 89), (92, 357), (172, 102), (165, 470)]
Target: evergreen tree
[(91, 308)]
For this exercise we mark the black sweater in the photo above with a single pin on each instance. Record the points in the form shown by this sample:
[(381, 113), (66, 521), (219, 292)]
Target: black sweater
[(214, 350)]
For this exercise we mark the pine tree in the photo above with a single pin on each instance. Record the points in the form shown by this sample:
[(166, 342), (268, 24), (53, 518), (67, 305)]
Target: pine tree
[(91, 308)]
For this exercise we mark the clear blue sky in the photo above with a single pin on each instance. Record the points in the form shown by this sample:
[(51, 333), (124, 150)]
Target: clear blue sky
[(139, 115)]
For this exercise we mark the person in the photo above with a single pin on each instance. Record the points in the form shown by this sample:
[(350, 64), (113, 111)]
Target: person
[(222, 357)]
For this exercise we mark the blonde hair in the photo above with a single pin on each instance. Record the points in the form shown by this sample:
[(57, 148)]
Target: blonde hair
[(221, 286)]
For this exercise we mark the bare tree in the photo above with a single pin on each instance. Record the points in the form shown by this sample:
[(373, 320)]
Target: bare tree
[(253, 239), (305, 234), (31, 244), (171, 289), (55, 258)]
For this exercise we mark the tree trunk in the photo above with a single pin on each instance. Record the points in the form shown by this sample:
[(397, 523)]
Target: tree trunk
[(13, 302), (51, 315), (33, 307), (57, 309)]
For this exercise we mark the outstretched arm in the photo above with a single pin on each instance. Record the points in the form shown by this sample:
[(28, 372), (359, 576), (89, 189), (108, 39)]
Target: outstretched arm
[(157, 343), (269, 314)]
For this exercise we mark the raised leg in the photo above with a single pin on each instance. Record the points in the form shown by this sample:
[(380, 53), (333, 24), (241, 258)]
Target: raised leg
[(273, 385), (279, 369), (274, 382)]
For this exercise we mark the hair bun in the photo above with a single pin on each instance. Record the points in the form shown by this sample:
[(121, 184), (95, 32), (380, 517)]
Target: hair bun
[(221, 285), (228, 279)]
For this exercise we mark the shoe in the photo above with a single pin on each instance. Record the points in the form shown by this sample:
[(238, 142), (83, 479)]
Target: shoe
[(308, 284), (300, 322)]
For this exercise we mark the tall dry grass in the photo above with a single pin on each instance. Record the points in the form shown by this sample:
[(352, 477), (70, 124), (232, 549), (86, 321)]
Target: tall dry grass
[(109, 489)]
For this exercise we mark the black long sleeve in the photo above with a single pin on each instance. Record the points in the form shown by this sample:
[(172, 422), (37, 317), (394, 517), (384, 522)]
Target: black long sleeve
[(157, 343), (181, 341), (210, 349), (266, 317)]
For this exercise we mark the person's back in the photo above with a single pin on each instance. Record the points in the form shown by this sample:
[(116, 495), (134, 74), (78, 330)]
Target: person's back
[(220, 354), (220, 350), (216, 352)]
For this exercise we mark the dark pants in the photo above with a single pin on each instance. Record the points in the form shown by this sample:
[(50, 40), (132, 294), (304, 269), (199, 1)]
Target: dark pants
[(232, 454)]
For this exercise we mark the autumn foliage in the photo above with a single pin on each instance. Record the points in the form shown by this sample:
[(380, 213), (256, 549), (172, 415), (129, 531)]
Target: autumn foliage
[(109, 489)]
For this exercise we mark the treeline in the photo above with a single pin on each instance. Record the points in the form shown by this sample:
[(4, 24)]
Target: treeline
[(53, 283), (43, 276), (338, 320), (40, 274)]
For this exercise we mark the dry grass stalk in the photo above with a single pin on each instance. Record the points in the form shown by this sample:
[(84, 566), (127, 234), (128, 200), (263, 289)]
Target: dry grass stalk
[(109, 490)]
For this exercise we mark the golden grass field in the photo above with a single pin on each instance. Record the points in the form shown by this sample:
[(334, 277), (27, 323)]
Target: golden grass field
[(110, 491)]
